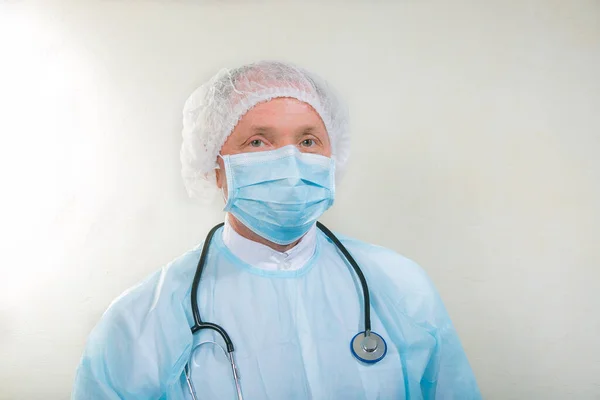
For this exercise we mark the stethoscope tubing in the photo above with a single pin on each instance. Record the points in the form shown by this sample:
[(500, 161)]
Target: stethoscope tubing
[(199, 324)]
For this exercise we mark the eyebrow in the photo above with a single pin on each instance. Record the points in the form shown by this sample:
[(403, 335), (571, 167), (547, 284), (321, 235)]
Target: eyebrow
[(312, 130), (307, 129), (270, 133), (261, 130), (269, 129)]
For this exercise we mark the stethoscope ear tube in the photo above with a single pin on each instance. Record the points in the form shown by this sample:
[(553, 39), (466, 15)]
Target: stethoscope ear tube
[(230, 357)]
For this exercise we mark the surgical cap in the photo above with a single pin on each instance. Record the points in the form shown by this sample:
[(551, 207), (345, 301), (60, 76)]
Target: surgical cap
[(213, 110)]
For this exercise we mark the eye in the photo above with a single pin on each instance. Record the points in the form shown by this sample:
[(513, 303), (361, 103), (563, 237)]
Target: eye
[(308, 143), (256, 143)]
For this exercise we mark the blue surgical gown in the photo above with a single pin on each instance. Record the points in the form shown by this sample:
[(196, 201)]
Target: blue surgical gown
[(291, 331)]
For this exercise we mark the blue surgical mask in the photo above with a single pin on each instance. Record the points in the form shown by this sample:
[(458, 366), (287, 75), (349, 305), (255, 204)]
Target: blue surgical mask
[(279, 194)]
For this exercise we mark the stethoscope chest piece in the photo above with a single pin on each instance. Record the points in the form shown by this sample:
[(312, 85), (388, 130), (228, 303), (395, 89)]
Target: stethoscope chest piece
[(368, 347)]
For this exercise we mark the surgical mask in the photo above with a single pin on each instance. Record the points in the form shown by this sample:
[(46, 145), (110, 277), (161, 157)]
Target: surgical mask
[(279, 194)]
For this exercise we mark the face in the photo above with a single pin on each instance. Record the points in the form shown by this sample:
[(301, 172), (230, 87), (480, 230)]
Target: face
[(274, 124)]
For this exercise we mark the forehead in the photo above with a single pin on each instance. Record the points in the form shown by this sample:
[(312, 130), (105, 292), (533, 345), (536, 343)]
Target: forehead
[(278, 96), (284, 116)]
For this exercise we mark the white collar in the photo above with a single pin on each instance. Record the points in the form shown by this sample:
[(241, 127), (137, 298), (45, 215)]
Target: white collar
[(261, 256)]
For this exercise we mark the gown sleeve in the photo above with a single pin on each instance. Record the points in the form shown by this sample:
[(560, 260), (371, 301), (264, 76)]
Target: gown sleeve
[(139, 347), (434, 362), (448, 374)]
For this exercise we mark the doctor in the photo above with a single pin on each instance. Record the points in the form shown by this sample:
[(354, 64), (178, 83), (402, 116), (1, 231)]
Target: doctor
[(273, 139)]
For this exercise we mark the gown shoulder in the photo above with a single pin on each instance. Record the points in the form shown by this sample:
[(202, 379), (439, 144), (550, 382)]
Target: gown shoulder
[(138, 347)]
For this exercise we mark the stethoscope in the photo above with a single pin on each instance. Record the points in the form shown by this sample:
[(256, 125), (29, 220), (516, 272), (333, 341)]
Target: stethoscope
[(366, 346)]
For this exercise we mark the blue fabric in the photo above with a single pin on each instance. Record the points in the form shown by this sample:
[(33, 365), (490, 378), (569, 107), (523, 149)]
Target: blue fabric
[(279, 194), (291, 330)]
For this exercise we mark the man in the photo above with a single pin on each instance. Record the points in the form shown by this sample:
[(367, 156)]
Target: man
[(274, 138)]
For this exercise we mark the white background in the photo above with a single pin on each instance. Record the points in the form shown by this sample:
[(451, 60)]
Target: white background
[(476, 152)]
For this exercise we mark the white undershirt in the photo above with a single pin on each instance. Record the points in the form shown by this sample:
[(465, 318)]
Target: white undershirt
[(261, 256)]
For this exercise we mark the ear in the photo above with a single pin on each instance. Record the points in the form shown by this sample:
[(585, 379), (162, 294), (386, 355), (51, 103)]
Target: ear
[(219, 178), (220, 173)]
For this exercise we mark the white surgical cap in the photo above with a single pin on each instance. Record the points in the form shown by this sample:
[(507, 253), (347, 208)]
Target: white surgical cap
[(213, 110)]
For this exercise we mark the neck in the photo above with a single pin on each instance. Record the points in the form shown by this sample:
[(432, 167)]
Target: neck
[(242, 230)]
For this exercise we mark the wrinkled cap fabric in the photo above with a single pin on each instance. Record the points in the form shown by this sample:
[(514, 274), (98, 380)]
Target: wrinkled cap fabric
[(213, 110)]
